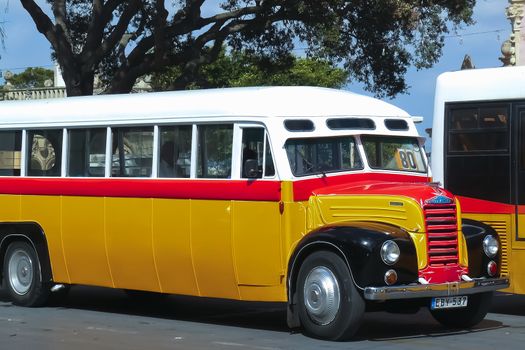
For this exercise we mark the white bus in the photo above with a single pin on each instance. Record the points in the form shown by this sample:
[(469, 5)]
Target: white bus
[(478, 153)]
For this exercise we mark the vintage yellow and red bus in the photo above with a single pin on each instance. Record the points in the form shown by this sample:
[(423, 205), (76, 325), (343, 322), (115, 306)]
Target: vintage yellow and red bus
[(315, 197), (478, 152)]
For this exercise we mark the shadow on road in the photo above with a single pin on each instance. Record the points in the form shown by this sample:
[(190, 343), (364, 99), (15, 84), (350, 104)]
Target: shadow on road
[(508, 304), (376, 326)]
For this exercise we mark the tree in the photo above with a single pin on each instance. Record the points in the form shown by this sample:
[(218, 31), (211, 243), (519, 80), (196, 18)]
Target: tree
[(374, 40), (31, 78), (241, 69)]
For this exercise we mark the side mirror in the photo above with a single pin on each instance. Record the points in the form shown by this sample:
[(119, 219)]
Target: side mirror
[(251, 168)]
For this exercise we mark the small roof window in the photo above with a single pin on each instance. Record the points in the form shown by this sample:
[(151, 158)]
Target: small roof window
[(396, 124), (351, 123), (299, 125)]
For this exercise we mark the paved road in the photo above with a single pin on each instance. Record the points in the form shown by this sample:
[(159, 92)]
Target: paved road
[(100, 319)]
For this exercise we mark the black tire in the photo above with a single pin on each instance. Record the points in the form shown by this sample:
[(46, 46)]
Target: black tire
[(466, 317), (22, 276), (328, 321)]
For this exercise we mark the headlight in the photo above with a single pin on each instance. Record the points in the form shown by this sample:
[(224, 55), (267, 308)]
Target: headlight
[(490, 246), (390, 252)]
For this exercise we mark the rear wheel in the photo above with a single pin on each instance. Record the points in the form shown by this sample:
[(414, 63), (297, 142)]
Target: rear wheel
[(330, 307), (465, 317), (22, 276)]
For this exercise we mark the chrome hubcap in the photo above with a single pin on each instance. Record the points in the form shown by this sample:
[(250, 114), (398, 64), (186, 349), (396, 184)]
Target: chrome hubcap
[(321, 295), (20, 271)]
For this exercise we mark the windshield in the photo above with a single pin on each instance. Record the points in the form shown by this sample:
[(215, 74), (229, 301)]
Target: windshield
[(321, 155), (394, 153)]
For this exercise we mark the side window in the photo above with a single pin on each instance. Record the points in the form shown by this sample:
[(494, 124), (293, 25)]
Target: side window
[(132, 152), (44, 152), (478, 129), (478, 150), (269, 168), (214, 151), (87, 152), (252, 149), (10, 150), (255, 147), (175, 151)]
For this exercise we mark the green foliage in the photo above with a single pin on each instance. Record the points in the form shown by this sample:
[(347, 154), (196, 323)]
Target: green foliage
[(31, 78), (241, 69), (374, 41)]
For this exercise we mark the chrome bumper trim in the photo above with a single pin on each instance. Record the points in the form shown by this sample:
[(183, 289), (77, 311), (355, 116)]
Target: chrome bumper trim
[(413, 291)]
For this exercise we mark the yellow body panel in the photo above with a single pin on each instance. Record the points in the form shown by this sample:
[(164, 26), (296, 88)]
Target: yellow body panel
[(395, 210), (257, 243), (84, 240), (46, 211), (172, 246), (128, 225), (193, 247), (211, 246), (10, 207), (512, 250)]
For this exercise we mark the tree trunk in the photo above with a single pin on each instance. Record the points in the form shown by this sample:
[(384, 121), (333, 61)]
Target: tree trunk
[(78, 84)]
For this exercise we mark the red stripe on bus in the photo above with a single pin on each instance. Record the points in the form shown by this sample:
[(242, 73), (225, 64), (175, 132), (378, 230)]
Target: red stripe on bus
[(481, 206), (256, 190), (303, 189)]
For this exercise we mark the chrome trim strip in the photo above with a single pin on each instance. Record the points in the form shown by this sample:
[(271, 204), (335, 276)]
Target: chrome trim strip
[(435, 290)]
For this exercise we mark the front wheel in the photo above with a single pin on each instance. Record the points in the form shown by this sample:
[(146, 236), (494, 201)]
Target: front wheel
[(22, 276), (330, 307), (465, 317)]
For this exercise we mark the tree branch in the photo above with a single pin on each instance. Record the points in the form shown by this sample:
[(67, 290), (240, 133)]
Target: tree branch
[(92, 57), (100, 16), (42, 21)]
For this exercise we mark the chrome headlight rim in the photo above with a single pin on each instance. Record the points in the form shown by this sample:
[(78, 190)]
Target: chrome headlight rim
[(390, 252), (490, 246)]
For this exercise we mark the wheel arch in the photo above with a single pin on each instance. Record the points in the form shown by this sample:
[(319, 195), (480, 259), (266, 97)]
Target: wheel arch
[(31, 233), (358, 245), (296, 260)]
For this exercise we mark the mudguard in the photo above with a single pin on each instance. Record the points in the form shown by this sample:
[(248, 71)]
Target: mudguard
[(359, 244), (474, 233), (34, 235)]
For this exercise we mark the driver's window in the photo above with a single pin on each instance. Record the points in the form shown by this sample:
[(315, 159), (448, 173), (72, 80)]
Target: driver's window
[(255, 150)]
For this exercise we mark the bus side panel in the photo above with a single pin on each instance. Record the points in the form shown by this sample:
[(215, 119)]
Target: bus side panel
[(172, 246), (10, 205), (211, 244), (257, 243), (84, 240), (46, 211), (130, 244), (517, 275)]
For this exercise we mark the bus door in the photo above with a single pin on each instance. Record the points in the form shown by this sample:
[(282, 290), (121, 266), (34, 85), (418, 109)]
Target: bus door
[(519, 161)]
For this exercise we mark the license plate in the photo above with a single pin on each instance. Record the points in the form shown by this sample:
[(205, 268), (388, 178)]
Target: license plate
[(449, 302)]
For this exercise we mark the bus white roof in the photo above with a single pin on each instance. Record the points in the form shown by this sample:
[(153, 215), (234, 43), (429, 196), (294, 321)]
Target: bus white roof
[(481, 84), (233, 102)]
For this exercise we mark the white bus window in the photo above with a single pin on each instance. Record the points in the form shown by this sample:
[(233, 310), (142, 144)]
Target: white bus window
[(269, 168), (87, 152), (132, 152), (321, 155), (478, 129), (254, 149), (10, 150), (175, 151), (214, 151), (394, 153), (45, 152)]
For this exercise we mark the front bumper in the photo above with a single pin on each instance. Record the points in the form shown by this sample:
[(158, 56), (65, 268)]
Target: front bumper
[(413, 291)]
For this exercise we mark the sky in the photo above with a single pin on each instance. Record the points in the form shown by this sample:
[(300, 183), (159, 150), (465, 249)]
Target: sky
[(25, 47)]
